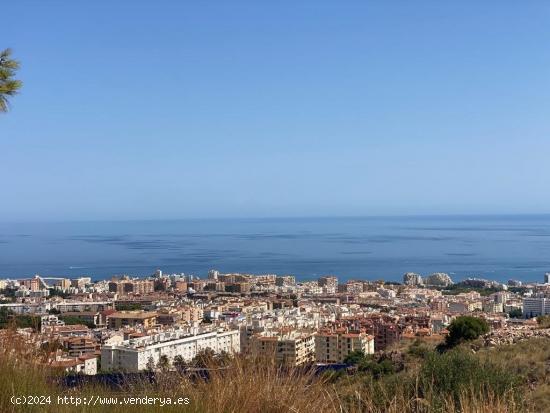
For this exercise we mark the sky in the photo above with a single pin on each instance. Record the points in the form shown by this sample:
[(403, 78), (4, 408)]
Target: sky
[(184, 109)]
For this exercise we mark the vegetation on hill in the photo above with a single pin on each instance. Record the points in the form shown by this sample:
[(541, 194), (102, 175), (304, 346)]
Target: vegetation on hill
[(508, 379), (456, 289), (464, 328), (75, 320), (543, 321), (9, 319), (516, 313), (375, 366)]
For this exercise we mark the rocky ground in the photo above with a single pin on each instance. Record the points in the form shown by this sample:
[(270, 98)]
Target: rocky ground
[(514, 335)]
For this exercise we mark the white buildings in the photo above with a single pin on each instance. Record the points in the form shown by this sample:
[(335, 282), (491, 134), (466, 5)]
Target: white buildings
[(535, 306), (50, 320), (411, 278), (439, 279), (69, 306), (386, 293), (86, 364), (329, 284), (133, 355), (28, 308), (285, 281)]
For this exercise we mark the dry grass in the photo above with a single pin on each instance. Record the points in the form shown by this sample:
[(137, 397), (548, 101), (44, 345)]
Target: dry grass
[(248, 386)]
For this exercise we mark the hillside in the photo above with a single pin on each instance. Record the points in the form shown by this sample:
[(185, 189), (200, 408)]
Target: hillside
[(510, 378)]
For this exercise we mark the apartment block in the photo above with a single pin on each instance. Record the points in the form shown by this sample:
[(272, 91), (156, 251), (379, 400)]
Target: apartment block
[(126, 286), (122, 319), (134, 355), (328, 283), (535, 306), (334, 346), (288, 349)]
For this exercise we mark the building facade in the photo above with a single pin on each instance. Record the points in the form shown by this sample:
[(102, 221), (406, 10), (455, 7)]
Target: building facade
[(334, 346), (136, 354)]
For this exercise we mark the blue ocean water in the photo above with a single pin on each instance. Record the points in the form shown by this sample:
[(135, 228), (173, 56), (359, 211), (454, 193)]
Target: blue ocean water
[(493, 247)]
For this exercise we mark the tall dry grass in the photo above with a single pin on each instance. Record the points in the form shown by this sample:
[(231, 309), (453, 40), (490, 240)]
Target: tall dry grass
[(257, 386)]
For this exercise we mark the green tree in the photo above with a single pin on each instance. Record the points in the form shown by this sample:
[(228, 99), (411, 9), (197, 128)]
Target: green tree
[(205, 358), (8, 85), (72, 320), (150, 366), (515, 313), (355, 357), (54, 292), (378, 368), (465, 328), (5, 317), (163, 363), (179, 362), (367, 363), (9, 319)]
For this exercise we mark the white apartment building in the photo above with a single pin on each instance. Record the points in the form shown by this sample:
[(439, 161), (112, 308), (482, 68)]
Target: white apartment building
[(333, 347), (535, 306), (95, 306), (134, 354), (386, 293), (30, 308)]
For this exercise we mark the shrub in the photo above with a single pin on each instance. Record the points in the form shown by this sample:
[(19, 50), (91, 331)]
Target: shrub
[(543, 321), (418, 349), (355, 357), (465, 328), (458, 371), (516, 313)]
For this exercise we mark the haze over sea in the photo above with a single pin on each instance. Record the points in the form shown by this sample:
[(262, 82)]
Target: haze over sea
[(494, 247)]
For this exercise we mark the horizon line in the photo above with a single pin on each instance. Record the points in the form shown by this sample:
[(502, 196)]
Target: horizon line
[(284, 217)]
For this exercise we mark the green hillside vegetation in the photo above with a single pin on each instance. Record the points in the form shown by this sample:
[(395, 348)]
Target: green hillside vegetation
[(10, 319)]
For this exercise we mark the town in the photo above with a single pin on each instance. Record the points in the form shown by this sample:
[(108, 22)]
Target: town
[(130, 324)]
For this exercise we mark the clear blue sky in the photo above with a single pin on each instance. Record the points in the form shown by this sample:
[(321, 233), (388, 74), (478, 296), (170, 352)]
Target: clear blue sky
[(176, 109)]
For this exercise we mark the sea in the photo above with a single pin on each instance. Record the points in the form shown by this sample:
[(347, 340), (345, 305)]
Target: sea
[(494, 247)]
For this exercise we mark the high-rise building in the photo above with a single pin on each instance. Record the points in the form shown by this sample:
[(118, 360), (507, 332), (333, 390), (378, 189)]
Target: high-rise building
[(535, 306), (285, 280), (438, 279), (329, 283), (411, 278)]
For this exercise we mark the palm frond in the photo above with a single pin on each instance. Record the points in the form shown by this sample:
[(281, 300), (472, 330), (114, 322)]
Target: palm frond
[(8, 85)]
